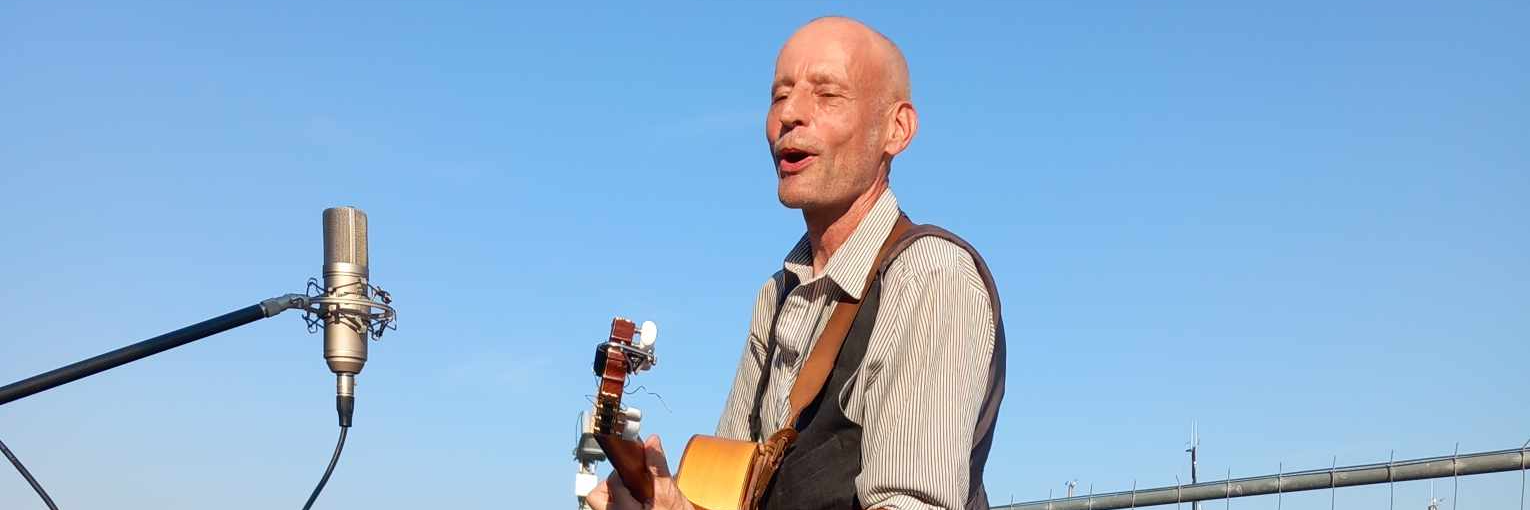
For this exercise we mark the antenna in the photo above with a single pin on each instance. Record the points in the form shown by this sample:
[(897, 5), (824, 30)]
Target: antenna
[(587, 453), (1195, 446)]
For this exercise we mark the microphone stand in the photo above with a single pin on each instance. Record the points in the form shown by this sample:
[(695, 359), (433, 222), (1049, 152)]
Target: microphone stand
[(86, 368)]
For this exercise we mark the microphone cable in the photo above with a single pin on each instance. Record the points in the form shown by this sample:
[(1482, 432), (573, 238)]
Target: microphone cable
[(339, 445), (36, 486)]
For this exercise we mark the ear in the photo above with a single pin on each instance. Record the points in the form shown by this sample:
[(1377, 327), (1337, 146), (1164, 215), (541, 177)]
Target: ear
[(902, 125)]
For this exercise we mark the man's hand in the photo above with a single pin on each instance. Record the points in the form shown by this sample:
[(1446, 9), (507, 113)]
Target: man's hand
[(612, 495)]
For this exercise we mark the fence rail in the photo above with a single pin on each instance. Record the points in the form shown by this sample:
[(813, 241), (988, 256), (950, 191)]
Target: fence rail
[(1346, 476)]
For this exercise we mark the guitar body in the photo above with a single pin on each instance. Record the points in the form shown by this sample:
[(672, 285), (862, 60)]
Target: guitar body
[(715, 473), (728, 474)]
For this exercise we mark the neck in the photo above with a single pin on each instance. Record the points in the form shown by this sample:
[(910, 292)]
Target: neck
[(828, 229)]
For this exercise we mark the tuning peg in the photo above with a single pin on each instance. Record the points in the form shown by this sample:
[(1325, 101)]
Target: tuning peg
[(647, 335), (632, 429)]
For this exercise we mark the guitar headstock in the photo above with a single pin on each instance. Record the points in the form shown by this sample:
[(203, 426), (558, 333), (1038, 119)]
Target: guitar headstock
[(627, 351)]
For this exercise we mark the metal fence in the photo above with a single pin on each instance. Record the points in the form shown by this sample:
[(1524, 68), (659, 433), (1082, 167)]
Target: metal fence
[(1317, 479)]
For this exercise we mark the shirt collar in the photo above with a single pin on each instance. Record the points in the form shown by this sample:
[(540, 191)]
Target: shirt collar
[(851, 263)]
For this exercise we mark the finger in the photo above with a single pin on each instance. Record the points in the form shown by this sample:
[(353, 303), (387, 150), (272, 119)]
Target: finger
[(600, 498), (654, 450), (621, 498), (610, 494)]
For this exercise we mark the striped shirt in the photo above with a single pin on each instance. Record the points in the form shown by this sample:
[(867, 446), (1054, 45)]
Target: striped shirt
[(918, 390)]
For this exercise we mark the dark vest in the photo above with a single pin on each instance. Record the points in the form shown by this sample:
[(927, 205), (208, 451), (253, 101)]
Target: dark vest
[(819, 469)]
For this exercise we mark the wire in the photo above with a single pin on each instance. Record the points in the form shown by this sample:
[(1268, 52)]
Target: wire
[(339, 445), (28, 475)]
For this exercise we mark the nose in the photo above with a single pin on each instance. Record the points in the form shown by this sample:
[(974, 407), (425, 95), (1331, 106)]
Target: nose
[(794, 112)]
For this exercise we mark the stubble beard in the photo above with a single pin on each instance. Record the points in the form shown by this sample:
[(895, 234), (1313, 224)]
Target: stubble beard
[(822, 187), (809, 189)]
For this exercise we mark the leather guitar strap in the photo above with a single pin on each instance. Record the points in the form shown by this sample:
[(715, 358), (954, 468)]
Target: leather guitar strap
[(811, 378), (820, 361)]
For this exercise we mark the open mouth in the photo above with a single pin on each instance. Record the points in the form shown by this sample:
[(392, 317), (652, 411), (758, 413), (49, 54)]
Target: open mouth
[(794, 155), (792, 160)]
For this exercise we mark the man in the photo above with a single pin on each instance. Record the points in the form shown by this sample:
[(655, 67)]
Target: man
[(905, 419)]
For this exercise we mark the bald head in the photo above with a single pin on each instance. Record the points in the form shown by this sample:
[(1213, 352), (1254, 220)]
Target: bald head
[(882, 58), (840, 110)]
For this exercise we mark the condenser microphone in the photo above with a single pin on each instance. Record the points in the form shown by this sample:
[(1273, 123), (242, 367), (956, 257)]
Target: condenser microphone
[(350, 310), (345, 325)]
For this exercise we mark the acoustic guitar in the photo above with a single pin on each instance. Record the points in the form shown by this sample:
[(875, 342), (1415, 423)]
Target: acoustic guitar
[(714, 473)]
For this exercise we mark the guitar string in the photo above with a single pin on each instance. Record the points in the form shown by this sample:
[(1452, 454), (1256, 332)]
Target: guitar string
[(645, 389)]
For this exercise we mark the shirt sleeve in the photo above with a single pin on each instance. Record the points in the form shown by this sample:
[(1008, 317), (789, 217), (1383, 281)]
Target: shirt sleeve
[(734, 423), (924, 380)]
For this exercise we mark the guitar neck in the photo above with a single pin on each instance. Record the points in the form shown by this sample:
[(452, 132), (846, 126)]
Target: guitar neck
[(630, 461)]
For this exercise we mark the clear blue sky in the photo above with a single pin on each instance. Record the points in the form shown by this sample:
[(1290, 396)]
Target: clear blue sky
[(1305, 225)]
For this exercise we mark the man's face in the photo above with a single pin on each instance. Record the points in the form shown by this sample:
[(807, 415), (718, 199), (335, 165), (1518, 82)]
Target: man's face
[(823, 125)]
